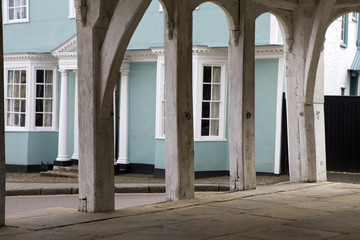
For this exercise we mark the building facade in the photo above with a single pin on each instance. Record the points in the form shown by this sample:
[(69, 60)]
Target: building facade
[(41, 87)]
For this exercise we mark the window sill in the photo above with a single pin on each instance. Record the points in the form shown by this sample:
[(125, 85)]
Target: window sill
[(343, 45), (16, 21)]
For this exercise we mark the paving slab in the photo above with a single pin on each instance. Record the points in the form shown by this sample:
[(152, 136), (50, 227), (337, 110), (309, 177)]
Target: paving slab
[(307, 211), (289, 232)]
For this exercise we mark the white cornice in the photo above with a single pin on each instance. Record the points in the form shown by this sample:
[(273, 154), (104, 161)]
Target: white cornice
[(140, 56), (29, 57), (268, 51), (66, 47)]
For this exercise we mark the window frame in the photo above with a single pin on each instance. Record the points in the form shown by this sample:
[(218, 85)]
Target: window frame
[(28, 63), (22, 20), (34, 98), (72, 9), (160, 96), (27, 109), (344, 30), (199, 68)]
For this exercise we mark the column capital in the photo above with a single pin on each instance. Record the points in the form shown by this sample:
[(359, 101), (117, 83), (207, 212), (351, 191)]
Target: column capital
[(64, 72), (125, 68)]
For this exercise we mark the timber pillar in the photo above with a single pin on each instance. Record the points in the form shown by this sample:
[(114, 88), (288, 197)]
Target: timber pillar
[(179, 151), (242, 101)]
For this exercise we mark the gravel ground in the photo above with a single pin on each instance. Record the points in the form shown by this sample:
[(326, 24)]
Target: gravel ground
[(142, 178)]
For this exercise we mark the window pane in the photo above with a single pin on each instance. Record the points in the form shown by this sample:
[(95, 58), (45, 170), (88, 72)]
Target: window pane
[(206, 91), (39, 120), (49, 77), (215, 92), (10, 76), (39, 91), (48, 120), (215, 110), (205, 110), (17, 13), (23, 2), (23, 76), (214, 128), (23, 91), (22, 120), (23, 106), (217, 74), (10, 92), (8, 122), (15, 119), (39, 76), (16, 91), (207, 74), (48, 91), (17, 3), (205, 127), (16, 76), (11, 14), (48, 105), (23, 12), (16, 105), (10, 105), (11, 3), (39, 105)]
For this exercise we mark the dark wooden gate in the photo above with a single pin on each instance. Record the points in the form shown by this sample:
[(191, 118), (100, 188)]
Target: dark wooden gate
[(342, 134)]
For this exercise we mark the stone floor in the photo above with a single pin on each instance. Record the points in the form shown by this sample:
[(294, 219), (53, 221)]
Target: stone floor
[(281, 211)]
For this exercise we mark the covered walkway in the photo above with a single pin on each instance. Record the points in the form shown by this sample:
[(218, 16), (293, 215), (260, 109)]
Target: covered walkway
[(283, 211)]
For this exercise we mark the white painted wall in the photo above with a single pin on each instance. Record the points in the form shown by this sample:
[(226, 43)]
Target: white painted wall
[(338, 59)]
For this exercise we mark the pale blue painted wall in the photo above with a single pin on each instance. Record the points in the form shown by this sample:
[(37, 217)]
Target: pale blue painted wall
[(266, 77), (30, 148), (262, 29), (16, 148), (42, 146), (160, 154), (142, 98), (49, 20), (209, 28), (48, 28)]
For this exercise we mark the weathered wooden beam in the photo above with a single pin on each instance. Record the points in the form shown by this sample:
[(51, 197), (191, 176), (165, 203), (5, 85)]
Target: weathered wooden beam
[(347, 3), (280, 4)]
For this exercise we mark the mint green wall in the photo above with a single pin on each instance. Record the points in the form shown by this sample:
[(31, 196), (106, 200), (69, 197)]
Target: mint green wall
[(142, 100), (30, 148), (210, 26), (210, 156), (150, 31), (42, 146), (160, 153), (16, 148), (266, 77), (262, 29), (48, 28)]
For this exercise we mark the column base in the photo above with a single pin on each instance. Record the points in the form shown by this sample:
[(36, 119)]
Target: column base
[(122, 161), (66, 163)]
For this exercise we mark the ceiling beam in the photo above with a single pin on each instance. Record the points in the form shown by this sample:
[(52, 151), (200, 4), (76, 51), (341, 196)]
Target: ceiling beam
[(279, 4)]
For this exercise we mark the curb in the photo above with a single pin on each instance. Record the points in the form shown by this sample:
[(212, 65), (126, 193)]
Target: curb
[(122, 189)]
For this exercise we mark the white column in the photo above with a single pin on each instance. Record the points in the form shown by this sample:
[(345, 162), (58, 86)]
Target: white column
[(75, 155), (63, 120), (124, 115)]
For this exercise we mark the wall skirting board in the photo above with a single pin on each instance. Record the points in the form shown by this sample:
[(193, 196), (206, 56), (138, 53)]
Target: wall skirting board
[(28, 168)]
